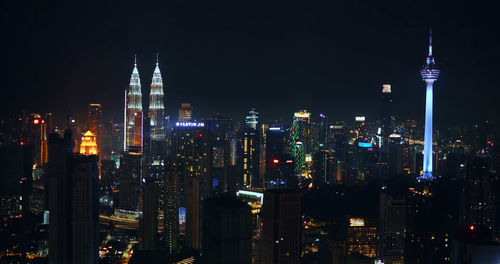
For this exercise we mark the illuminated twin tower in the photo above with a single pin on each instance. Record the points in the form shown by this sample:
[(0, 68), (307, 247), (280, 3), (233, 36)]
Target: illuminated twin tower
[(429, 74), (133, 126)]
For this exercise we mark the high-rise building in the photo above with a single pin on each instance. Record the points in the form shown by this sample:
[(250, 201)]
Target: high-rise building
[(156, 106), (192, 200), (250, 151), (149, 223), (88, 146), (300, 138), (73, 203), (429, 74), (252, 119), (94, 118), (227, 231), (133, 106), (185, 112), (282, 225), (392, 228), (192, 156), (362, 237), (130, 180), (171, 211)]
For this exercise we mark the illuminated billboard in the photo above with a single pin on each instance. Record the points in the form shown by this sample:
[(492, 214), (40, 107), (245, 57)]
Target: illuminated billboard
[(360, 119), (365, 145), (189, 124), (356, 222)]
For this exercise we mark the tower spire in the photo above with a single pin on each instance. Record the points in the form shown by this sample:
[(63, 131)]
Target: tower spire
[(135, 60), (157, 58), (430, 42)]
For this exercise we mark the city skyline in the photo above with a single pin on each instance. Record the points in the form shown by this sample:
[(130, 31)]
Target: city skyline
[(285, 56)]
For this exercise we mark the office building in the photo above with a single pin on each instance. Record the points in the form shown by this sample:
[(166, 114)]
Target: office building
[(73, 198), (171, 212), (185, 112), (130, 180), (227, 231), (250, 151), (362, 237), (149, 221), (133, 106), (192, 156), (157, 113), (392, 228), (282, 225), (88, 145)]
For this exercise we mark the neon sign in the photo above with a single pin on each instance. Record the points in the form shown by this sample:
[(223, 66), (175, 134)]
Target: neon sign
[(189, 124)]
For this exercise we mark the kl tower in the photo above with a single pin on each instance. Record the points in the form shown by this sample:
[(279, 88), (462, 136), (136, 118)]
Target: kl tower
[(429, 74)]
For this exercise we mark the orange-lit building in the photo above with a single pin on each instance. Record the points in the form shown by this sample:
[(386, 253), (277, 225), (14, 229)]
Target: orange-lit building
[(362, 237), (89, 144)]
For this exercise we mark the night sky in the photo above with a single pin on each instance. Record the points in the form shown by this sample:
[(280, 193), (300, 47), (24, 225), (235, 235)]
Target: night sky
[(229, 56)]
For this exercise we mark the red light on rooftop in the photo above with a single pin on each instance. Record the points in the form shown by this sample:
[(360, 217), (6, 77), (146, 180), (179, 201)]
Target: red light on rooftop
[(36, 121), (471, 228), (22, 143), (275, 161)]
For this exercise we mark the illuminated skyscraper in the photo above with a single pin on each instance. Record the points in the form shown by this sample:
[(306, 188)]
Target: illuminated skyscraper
[(185, 112), (429, 74), (89, 144), (252, 119), (156, 106), (250, 150), (133, 106), (301, 131)]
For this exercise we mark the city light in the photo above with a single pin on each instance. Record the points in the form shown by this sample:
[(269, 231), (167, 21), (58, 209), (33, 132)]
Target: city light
[(356, 222), (360, 119)]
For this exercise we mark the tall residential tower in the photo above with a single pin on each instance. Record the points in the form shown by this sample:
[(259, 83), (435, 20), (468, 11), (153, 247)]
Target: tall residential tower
[(429, 74)]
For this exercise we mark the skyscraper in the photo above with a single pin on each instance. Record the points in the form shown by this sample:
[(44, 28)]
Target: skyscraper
[(192, 158), (251, 119), (131, 164), (185, 112), (227, 231), (88, 146), (95, 118), (392, 231), (149, 223), (73, 198), (250, 150), (282, 225), (156, 106), (133, 106), (429, 74), (171, 211)]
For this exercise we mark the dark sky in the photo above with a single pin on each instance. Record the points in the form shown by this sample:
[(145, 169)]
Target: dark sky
[(228, 56)]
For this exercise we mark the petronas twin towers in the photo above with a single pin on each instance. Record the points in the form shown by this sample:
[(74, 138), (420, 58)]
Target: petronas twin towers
[(133, 126)]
